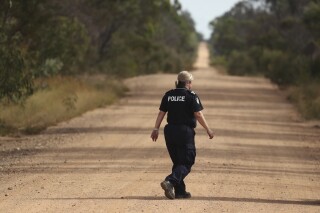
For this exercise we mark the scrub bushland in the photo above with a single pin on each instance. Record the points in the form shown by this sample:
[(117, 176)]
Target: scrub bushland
[(40, 64), (307, 99), (277, 39)]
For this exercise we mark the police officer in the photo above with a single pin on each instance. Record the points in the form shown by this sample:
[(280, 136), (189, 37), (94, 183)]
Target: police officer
[(184, 110)]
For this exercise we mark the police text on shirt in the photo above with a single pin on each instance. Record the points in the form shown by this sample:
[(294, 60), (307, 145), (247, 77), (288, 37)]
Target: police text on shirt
[(176, 98)]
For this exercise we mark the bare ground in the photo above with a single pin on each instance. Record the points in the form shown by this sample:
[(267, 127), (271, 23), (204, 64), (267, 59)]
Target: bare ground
[(264, 158)]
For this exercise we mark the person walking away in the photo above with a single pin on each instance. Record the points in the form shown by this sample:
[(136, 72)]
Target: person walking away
[(184, 109)]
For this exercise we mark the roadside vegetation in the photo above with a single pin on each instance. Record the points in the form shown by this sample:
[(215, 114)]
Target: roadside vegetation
[(279, 39), (47, 48), (57, 99)]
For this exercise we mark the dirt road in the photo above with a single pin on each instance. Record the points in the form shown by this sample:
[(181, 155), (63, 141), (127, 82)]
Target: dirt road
[(262, 159)]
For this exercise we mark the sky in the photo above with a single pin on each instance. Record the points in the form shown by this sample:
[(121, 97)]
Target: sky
[(204, 11)]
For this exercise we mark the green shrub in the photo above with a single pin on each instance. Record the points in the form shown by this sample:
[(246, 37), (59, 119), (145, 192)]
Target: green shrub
[(285, 69), (255, 53), (51, 67), (239, 63), (218, 61), (277, 66)]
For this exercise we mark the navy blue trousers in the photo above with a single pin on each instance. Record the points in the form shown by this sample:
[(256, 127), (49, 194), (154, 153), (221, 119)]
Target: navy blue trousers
[(181, 147)]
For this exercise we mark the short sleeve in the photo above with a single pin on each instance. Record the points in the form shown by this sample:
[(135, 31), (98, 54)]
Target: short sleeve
[(196, 104), (164, 104)]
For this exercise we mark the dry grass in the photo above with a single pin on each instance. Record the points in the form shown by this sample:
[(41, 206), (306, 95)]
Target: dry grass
[(58, 99)]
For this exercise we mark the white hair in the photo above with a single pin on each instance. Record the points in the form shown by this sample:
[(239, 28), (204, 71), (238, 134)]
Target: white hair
[(184, 76)]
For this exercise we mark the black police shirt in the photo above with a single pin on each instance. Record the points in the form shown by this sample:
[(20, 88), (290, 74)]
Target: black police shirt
[(181, 103)]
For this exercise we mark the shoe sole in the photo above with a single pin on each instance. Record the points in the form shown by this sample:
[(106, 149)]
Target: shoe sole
[(167, 191)]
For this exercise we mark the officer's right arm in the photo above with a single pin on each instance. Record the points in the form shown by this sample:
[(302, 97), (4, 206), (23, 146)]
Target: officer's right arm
[(200, 118), (155, 131)]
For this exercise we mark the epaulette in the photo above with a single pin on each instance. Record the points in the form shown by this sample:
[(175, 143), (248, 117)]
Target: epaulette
[(193, 93)]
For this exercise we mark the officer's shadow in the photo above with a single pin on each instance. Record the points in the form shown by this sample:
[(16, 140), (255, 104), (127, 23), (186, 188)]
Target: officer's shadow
[(233, 199), (197, 198)]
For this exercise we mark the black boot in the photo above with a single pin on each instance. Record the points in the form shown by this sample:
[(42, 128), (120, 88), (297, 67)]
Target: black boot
[(184, 195)]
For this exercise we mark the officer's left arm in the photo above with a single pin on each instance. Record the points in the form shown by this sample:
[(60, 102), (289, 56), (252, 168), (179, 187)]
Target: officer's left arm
[(201, 119), (197, 108), (155, 131)]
